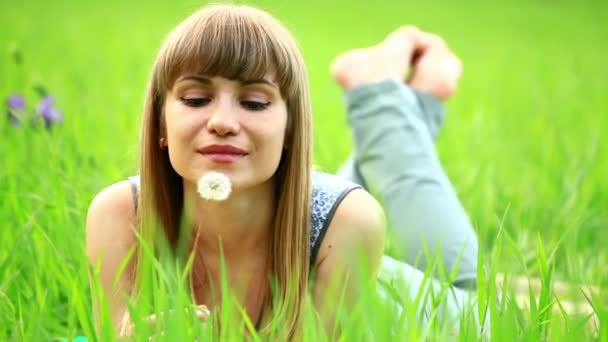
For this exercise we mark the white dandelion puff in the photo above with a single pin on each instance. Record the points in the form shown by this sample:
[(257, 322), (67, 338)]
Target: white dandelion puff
[(214, 186)]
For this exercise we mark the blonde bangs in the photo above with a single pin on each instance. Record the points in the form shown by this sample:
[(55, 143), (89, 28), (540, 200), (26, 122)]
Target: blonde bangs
[(238, 43)]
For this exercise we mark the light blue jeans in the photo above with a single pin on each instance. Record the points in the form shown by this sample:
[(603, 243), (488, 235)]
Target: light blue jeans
[(394, 157)]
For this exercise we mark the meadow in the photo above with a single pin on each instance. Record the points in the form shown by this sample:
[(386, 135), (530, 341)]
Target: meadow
[(523, 145)]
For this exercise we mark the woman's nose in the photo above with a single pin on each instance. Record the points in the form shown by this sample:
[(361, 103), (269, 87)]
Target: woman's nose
[(224, 120)]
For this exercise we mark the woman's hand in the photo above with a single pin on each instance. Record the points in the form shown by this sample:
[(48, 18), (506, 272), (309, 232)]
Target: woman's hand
[(128, 328)]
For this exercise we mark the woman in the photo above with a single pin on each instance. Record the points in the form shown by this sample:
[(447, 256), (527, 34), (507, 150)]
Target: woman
[(229, 93)]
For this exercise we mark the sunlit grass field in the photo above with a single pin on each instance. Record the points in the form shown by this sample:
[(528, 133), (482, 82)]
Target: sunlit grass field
[(523, 144)]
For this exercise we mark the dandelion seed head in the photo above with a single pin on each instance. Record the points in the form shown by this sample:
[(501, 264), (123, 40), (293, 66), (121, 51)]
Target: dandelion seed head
[(214, 186)]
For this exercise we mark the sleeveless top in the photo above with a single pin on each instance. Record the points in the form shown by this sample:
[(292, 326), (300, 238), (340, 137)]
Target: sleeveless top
[(328, 191)]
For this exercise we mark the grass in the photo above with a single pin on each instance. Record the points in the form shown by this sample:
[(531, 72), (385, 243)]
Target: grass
[(523, 145)]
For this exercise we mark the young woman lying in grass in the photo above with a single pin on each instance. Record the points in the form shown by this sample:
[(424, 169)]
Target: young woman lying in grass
[(226, 173)]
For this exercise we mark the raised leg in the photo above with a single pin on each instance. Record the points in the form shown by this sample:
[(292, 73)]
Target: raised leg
[(394, 155)]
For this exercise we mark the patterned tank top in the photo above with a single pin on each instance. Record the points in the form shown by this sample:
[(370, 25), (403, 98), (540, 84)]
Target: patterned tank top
[(327, 193)]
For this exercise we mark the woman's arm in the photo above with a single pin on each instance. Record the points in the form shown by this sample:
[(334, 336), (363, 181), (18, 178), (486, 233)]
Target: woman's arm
[(355, 237), (109, 239)]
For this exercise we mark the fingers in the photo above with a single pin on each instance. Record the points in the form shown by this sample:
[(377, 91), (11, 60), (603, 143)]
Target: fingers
[(201, 312)]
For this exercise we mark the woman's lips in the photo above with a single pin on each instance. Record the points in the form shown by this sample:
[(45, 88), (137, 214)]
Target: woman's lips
[(223, 153), (223, 157)]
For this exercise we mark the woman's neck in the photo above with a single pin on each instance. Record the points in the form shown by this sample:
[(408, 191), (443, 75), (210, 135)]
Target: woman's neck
[(242, 223)]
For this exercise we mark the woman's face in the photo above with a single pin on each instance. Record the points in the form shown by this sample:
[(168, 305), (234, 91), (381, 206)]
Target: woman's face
[(234, 127)]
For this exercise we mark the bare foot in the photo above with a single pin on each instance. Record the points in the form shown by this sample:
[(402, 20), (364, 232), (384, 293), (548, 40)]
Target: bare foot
[(436, 70), (389, 59)]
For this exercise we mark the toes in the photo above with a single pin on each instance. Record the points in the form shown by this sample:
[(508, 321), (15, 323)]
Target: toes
[(345, 66), (431, 40), (403, 34), (407, 31)]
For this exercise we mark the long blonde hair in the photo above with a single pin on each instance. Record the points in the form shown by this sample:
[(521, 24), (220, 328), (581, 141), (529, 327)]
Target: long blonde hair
[(238, 42)]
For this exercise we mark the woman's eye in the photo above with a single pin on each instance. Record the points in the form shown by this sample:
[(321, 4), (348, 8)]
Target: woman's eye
[(195, 101), (254, 105)]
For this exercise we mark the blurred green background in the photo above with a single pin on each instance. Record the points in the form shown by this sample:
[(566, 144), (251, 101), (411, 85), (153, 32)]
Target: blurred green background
[(523, 142)]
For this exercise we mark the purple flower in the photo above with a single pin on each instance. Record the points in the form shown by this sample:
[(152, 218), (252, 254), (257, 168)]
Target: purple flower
[(48, 112), (15, 105)]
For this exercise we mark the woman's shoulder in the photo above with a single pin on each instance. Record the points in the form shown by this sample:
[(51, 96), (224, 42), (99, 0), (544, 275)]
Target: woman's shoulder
[(356, 233), (330, 194), (110, 221), (327, 192), (355, 214), (324, 180)]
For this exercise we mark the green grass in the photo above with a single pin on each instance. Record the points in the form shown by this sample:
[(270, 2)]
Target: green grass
[(523, 144)]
